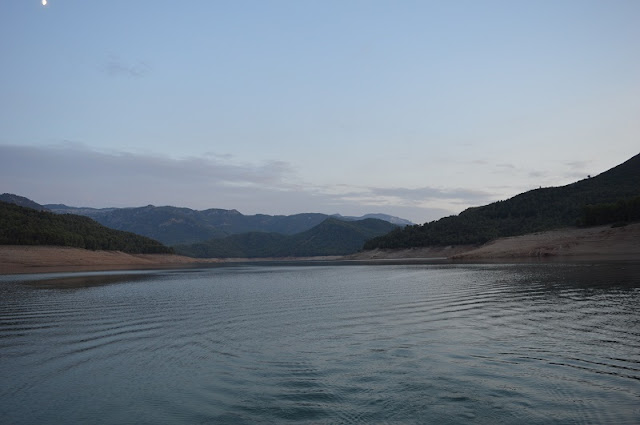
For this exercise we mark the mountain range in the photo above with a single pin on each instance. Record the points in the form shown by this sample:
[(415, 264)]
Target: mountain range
[(331, 237), (179, 226), (228, 233)]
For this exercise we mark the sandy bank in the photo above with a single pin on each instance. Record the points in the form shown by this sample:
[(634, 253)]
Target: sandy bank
[(602, 242), (45, 259), (48, 259), (411, 253)]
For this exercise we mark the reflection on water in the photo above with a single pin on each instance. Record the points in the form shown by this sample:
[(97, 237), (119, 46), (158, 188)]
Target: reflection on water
[(533, 343)]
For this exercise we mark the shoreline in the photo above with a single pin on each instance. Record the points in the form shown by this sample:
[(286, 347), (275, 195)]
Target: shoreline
[(594, 243), (601, 242), (590, 243), (23, 259)]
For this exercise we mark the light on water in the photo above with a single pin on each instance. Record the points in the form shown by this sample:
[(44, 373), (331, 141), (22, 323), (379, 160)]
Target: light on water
[(538, 343)]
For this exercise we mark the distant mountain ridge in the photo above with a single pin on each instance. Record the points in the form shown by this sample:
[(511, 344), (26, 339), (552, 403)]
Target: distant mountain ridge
[(331, 237), (385, 217), (533, 211), (21, 201), (179, 226)]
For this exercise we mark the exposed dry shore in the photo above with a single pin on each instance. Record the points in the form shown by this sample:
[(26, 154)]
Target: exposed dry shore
[(603, 242), (436, 252), (595, 243), (46, 259), (49, 259)]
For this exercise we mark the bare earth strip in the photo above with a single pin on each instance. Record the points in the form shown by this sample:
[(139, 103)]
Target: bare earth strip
[(602, 242), (45, 259), (48, 259), (597, 243), (435, 252)]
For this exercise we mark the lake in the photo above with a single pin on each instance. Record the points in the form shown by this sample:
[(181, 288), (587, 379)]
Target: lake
[(319, 344)]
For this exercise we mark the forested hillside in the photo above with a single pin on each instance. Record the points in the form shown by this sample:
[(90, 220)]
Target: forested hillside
[(540, 209), (331, 237), (27, 226), (623, 211)]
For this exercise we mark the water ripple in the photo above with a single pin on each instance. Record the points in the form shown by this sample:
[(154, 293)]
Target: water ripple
[(537, 343)]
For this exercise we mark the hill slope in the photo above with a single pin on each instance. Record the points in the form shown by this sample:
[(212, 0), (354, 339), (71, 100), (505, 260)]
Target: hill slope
[(536, 210), (27, 226), (331, 237), (21, 201)]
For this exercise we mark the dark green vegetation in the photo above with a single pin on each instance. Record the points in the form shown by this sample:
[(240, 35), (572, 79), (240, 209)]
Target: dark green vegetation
[(27, 226), (596, 200), (331, 237), (173, 225), (621, 212)]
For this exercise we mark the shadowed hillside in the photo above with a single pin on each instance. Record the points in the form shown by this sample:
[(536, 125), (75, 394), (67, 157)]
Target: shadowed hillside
[(331, 237), (536, 210), (27, 226)]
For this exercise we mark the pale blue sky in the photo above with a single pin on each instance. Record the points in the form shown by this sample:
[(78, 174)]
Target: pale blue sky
[(413, 108)]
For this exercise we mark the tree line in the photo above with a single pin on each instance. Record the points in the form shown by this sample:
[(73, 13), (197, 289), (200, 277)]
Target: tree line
[(27, 226), (621, 212)]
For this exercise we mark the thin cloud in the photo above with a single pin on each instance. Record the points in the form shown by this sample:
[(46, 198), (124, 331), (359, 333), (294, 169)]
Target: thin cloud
[(73, 174), (431, 193), (577, 170), (577, 164), (506, 166), (69, 162), (115, 67), (480, 162)]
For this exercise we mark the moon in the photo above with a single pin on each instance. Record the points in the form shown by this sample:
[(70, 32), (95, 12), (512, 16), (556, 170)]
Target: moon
[(44, 2)]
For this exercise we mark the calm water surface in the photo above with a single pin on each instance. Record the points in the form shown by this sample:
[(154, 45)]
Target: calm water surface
[(537, 343)]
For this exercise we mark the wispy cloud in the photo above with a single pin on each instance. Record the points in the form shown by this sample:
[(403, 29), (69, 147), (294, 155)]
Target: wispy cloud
[(577, 169), (536, 174), (506, 166), (424, 194), (115, 67), (74, 174), (67, 162), (579, 165)]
